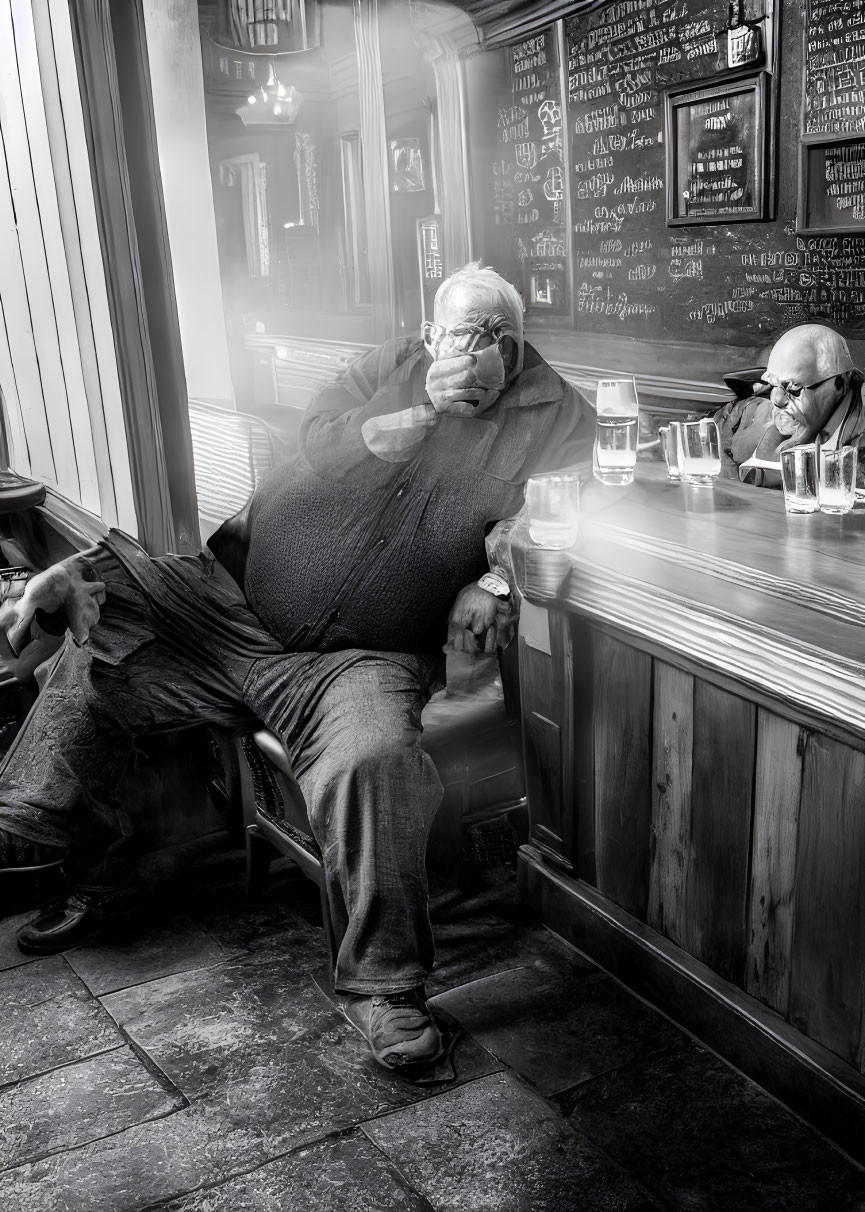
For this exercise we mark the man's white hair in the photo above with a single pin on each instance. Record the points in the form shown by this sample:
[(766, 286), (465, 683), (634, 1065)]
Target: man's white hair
[(488, 299)]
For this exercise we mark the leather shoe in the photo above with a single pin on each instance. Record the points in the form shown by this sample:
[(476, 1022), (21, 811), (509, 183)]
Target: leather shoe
[(398, 1028), (77, 917)]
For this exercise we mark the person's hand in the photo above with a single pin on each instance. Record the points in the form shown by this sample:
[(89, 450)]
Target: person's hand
[(396, 437), (61, 587), (479, 622), (456, 387), (22, 668)]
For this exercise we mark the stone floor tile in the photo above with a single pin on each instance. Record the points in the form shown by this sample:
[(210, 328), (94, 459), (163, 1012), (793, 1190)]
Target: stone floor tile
[(49, 1019), (10, 956), (76, 1104), (555, 1025), (343, 1174), (141, 1167), (144, 952), (494, 1145), (36, 981), (56, 1032), (261, 1041), (701, 1136), (469, 948), (287, 920)]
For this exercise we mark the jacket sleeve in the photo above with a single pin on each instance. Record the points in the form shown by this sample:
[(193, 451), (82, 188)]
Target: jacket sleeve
[(330, 434)]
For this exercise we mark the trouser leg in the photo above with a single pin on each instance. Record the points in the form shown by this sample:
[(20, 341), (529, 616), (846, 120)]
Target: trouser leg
[(143, 671), (63, 767), (351, 723)]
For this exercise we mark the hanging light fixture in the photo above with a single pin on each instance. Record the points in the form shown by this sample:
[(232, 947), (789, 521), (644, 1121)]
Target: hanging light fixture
[(275, 99)]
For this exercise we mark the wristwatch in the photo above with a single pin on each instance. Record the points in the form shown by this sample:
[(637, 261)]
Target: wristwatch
[(496, 582)]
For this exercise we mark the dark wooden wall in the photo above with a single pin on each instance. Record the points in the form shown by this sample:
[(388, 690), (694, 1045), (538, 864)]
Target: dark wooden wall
[(732, 831)]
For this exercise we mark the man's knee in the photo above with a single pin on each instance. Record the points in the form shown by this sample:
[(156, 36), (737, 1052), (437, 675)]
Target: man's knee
[(372, 772)]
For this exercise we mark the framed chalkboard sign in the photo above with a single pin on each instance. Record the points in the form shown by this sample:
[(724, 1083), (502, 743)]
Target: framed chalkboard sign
[(716, 152), (832, 186)]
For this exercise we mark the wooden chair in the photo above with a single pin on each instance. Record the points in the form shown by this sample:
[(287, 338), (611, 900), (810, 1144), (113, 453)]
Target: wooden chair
[(475, 741)]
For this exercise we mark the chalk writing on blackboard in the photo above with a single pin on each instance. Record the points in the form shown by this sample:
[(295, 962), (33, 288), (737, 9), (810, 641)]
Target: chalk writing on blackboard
[(528, 172), (834, 86)]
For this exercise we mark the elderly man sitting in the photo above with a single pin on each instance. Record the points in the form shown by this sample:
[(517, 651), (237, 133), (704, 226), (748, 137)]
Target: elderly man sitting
[(320, 610), (810, 391)]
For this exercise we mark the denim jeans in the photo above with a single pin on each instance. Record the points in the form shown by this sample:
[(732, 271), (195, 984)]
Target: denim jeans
[(178, 648)]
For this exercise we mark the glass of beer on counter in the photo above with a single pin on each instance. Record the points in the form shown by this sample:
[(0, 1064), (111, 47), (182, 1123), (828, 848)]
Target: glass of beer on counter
[(615, 452), (837, 484), (553, 506), (699, 444)]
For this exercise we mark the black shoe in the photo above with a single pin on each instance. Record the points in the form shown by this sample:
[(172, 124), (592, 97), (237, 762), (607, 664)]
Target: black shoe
[(77, 917)]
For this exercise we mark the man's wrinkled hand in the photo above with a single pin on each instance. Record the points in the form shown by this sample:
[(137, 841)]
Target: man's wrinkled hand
[(60, 587), (453, 387), (479, 622)]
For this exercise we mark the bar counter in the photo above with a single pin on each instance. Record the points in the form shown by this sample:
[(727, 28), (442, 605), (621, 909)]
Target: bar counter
[(693, 696)]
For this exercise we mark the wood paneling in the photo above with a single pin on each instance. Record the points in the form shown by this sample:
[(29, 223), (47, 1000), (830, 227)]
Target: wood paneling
[(702, 790), (826, 1000), (721, 803), (673, 725), (622, 767), (777, 790), (546, 689), (582, 755)]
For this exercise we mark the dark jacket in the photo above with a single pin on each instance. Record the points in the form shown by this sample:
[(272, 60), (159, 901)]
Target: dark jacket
[(338, 548)]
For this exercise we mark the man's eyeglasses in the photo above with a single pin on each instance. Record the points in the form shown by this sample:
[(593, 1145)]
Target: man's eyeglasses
[(791, 388), (465, 338)]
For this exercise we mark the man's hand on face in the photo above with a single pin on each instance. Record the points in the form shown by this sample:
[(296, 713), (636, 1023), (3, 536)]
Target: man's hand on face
[(62, 586), (479, 622), (466, 384)]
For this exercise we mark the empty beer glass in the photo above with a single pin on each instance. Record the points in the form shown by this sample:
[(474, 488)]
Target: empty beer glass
[(553, 506), (799, 476), (615, 453), (699, 446)]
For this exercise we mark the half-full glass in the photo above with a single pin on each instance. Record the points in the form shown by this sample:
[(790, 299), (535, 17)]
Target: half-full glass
[(615, 453), (800, 478), (699, 447), (837, 483), (553, 506)]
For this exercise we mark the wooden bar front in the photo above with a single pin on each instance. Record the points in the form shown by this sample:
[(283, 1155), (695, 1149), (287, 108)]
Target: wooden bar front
[(694, 725)]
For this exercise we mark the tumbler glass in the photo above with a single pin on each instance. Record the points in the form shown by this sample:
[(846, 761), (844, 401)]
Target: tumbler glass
[(837, 484), (799, 475), (699, 447), (553, 505), (615, 453)]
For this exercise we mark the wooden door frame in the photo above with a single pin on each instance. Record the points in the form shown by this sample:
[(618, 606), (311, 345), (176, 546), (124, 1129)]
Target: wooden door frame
[(111, 54)]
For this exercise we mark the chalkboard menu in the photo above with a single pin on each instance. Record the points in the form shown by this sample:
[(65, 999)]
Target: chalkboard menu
[(528, 173), (834, 89), (713, 278)]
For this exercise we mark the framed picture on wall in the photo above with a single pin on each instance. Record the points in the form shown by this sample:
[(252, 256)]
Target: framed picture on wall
[(832, 186), (716, 152)]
